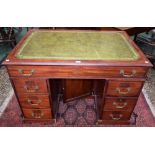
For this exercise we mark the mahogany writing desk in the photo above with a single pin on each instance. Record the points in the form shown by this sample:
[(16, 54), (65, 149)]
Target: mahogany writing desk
[(43, 59)]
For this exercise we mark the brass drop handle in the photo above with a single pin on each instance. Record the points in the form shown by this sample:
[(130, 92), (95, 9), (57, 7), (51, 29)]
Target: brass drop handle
[(31, 90), (21, 71), (122, 72), (116, 118), (37, 115), (120, 107), (123, 92), (31, 102)]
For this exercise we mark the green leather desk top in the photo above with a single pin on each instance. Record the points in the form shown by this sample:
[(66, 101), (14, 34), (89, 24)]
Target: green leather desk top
[(77, 46)]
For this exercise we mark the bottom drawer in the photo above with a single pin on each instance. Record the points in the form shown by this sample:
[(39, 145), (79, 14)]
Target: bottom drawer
[(37, 113), (116, 115)]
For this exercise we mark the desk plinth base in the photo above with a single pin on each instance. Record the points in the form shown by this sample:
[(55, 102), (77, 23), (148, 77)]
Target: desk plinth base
[(51, 121), (111, 122)]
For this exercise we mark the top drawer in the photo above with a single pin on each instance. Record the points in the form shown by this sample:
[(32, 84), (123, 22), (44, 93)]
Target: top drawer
[(76, 71)]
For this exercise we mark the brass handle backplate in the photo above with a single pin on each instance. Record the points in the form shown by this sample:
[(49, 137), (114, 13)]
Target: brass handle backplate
[(123, 92), (31, 102), (37, 114), (31, 90), (21, 71), (116, 118), (122, 72), (124, 104)]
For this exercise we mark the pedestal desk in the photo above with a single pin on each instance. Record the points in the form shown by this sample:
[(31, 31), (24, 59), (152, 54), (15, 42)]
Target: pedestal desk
[(111, 66)]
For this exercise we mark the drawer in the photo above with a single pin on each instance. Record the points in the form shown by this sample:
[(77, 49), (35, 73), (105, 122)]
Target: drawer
[(116, 115), (30, 85), (34, 101), (76, 71), (115, 104), (37, 113), (124, 88)]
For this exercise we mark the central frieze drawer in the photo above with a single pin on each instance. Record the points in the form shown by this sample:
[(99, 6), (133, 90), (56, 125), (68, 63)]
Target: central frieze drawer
[(28, 85), (124, 88), (76, 71)]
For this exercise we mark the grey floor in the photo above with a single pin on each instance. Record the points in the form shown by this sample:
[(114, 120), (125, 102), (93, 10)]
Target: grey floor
[(6, 90), (149, 90)]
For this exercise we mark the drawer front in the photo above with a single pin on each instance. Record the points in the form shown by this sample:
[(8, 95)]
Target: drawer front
[(124, 88), (30, 85), (76, 71), (116, 115), (116, 104), (34, 101), (37, 113)]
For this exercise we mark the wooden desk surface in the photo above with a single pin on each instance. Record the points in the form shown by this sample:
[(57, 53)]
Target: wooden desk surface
[(46, 47)]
